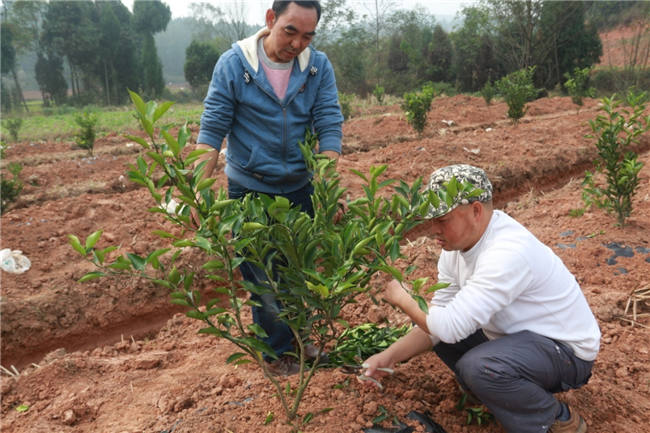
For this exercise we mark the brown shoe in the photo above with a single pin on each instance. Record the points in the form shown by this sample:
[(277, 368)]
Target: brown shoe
[(284, 366), (575, 424)]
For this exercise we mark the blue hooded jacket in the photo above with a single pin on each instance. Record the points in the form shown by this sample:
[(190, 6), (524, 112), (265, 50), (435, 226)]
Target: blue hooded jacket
[(262, 131)]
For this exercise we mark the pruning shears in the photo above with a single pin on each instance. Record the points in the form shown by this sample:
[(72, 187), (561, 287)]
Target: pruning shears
[(357, 369)]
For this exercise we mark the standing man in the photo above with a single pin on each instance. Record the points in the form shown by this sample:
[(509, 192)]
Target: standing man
[(513, 324), (265, 91)]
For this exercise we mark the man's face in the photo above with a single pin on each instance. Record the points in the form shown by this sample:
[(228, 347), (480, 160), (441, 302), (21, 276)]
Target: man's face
[(457, 230), (291, 32)]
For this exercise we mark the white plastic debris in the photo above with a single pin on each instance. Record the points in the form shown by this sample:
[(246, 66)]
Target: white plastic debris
[(14, 261), (130, 144), (171, 207), (448, 122), (475, 150)]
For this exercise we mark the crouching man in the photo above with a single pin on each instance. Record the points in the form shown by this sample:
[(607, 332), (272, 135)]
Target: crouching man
[(513, 324)]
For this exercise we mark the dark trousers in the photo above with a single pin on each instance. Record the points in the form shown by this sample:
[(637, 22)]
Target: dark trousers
[(515, 376), (280, 337)]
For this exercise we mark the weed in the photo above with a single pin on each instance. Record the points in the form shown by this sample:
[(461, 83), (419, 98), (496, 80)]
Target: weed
[(379, 92), (13, 126)]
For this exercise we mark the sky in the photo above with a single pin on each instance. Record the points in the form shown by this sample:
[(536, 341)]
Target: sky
[(257, 8)]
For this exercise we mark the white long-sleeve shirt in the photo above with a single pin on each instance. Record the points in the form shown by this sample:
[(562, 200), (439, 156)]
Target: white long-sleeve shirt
[(509, 282)]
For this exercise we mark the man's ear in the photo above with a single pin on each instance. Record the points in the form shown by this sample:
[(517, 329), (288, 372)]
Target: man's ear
[(270, 18), (477, 209)]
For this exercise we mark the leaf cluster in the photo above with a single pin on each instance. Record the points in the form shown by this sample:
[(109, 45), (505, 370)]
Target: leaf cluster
[(358, 343)]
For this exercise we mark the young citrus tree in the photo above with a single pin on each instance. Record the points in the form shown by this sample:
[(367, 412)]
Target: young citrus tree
[(517, 89), (416, 106), (614, 133), (313, 266), (577, 84), (85, 138)]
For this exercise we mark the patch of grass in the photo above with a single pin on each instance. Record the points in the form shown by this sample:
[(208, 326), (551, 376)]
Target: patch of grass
[(62, 123)]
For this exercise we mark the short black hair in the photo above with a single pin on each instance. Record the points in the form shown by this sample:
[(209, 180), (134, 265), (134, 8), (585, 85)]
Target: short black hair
[(279, 6)]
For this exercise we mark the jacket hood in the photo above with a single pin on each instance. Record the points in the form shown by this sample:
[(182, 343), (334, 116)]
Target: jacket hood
[(248, 47)]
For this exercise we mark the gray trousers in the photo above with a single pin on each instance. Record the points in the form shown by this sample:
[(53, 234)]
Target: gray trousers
[(515, 376)]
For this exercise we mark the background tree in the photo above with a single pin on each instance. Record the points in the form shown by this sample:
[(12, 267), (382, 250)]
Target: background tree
[(440, 55), (49, 75), (149, 18), (70, 32), (8, 60), (200, 58), (473, 61), (351, 70)]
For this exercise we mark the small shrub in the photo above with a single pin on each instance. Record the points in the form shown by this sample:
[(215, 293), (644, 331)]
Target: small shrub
[(10, 188), (614, 134), (488, 92), (85, 138), (345, 101), (13, 126), (517, 89), (577, 84), (416, 106), (379, 93)]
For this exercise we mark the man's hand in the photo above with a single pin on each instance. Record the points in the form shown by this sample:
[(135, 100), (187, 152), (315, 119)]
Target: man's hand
[(396, 295), (374, 367)]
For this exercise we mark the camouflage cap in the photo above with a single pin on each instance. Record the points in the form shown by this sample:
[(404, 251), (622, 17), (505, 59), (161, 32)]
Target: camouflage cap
[(464, 174)]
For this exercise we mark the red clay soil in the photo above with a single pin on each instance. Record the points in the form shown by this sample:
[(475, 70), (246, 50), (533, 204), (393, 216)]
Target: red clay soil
[(111, 356), (626, 46)]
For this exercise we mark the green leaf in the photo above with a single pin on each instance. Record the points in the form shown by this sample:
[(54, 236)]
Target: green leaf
[(162, 109), (92, 239), (257, 330), (269, 418), (91, 276), (141, 141), (205, 184), (163, 234), (194, 314), (234, 357), (76, 244), (22, 408), (171, 142), (137, 261), (138, 102)]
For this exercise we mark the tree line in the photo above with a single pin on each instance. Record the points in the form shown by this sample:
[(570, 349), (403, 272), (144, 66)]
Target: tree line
[(87, 52), (94, 51)]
